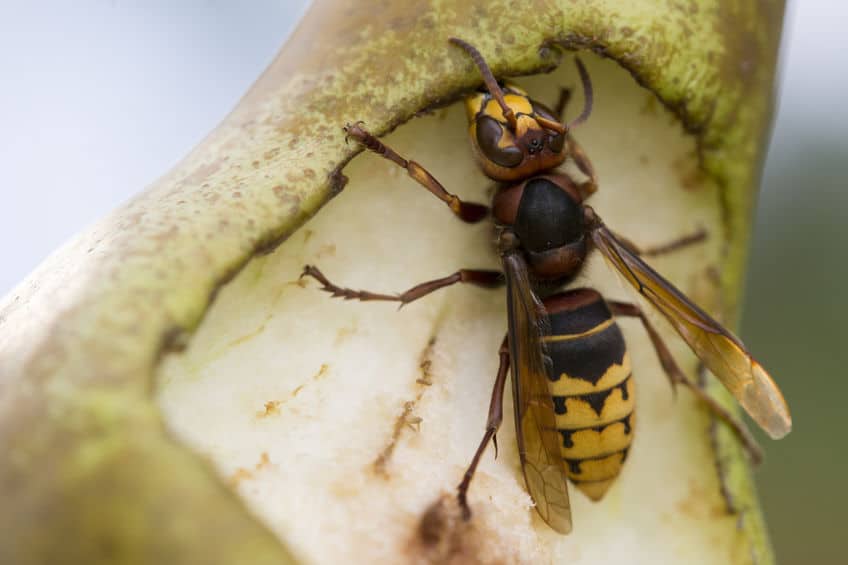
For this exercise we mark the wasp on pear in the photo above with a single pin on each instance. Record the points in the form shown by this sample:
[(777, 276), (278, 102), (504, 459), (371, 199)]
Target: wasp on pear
[(571, 376)]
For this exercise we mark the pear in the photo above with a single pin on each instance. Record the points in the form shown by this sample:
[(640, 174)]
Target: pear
[(172, 392)]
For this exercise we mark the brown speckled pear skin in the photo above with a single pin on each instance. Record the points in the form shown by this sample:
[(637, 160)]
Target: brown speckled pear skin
[(89, 473)]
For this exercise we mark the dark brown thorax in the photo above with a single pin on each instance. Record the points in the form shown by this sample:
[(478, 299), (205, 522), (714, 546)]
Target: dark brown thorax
[(546, 215)]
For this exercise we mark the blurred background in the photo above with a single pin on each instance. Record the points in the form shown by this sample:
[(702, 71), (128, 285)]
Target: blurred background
[(100, 97), (795, 302)]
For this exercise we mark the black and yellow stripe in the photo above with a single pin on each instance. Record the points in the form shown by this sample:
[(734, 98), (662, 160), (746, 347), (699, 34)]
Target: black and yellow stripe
[(592, 388)]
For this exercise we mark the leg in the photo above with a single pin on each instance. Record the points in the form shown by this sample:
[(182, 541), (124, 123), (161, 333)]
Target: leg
[(492, 425), (684, 241), (575, 151), (486, 279), (585, 165), (465, 211), (676, 376)]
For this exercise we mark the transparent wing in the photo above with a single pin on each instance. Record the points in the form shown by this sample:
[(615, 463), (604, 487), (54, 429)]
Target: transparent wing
[(535, 423), (721, 351)]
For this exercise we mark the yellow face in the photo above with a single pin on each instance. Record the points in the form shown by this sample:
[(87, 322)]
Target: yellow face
[(506, 153)]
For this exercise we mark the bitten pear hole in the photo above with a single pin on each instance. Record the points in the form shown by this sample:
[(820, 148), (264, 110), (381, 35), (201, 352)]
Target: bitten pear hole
[(341, 423)]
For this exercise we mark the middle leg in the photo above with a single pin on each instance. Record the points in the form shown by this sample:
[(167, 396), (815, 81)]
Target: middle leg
[(575, 151), (482, 278)]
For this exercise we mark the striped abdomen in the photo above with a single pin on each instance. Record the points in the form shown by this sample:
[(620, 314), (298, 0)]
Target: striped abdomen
[(592, 388)]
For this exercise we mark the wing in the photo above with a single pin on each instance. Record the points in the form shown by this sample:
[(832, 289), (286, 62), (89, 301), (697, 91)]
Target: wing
[(721, 351), (535, 423)]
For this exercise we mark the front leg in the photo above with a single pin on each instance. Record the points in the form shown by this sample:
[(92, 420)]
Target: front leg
[(466, 211)]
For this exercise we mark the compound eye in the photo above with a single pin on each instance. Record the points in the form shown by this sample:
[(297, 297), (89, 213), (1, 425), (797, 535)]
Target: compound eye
[(556, 142), (489, 133)]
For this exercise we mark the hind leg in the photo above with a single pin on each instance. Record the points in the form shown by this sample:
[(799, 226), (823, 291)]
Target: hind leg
[(492, 424)]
